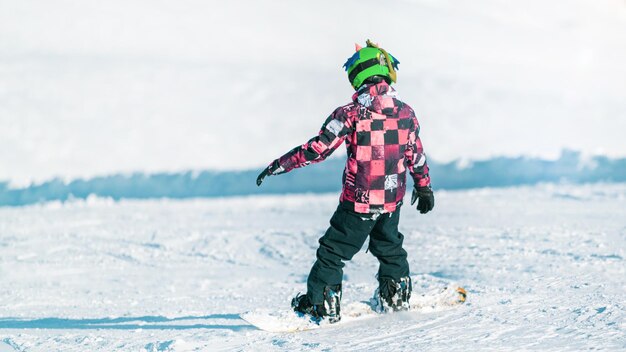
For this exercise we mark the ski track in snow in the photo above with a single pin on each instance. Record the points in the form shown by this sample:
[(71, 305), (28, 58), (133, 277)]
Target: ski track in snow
[(544, 269)]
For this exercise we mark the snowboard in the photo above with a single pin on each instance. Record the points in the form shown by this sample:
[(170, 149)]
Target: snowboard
[(282, 321)]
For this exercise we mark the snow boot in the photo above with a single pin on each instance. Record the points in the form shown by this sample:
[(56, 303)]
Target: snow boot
[(332, 303), (394, 296), (331, 308)]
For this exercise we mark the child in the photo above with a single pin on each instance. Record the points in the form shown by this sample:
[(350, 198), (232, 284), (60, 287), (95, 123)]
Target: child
[(381, 136)]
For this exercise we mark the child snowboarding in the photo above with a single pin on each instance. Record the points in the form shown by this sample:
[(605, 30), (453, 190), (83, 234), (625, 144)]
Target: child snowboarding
[(381, 134)]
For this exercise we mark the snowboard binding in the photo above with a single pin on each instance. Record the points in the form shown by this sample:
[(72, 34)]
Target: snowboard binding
[(330, 309)]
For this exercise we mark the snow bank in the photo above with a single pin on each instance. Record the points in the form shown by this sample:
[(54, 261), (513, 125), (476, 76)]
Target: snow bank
[(320, 178)]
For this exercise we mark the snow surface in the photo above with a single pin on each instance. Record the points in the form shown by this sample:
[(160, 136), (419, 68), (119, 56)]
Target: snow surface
[(96, 87), (544, 268)]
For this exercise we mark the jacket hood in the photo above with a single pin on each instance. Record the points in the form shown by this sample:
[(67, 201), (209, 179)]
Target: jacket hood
[(379, 97)]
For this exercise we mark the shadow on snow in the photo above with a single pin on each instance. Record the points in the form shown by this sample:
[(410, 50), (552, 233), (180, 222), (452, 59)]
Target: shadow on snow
[(127, 323)]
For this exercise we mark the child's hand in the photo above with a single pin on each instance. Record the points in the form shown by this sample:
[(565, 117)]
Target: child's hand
[(426, 198), (268, 171)]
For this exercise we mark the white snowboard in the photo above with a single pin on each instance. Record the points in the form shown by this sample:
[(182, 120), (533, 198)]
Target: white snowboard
[(288, 321)]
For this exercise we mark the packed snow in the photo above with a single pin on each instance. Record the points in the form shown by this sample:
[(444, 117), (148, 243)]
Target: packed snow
[(543, 266)]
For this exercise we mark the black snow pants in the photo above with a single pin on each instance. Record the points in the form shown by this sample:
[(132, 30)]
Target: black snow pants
[(345, 237)]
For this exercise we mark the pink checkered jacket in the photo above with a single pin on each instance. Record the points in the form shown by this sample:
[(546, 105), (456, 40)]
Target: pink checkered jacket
[(382, 140)]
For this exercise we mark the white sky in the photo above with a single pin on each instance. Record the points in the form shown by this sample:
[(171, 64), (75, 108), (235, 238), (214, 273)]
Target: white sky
[(97, 87)]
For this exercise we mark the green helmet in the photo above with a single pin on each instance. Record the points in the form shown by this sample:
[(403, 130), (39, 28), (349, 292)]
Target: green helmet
[(368, 62)]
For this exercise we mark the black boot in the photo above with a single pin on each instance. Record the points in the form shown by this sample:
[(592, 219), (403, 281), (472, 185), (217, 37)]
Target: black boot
[(394, 296)]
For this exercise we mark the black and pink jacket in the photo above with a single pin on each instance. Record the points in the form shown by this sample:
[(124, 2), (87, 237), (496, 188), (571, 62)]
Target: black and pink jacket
[(381, 136)]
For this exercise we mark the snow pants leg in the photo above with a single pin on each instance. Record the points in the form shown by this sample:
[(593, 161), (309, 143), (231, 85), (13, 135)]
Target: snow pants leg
[(345, 237), (386, 245)]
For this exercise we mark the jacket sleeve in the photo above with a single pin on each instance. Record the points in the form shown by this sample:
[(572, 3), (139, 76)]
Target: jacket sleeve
[(332, 134), (415, 156)]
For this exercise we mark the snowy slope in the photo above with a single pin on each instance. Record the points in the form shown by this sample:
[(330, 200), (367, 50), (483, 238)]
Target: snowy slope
[(544, 266), (92, 88)]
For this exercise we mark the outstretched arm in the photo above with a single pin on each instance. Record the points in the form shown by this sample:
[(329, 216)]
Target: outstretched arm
[(332, 134)]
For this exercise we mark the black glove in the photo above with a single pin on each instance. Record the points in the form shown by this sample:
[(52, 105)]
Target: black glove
[(426, 199), (268, 171)]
